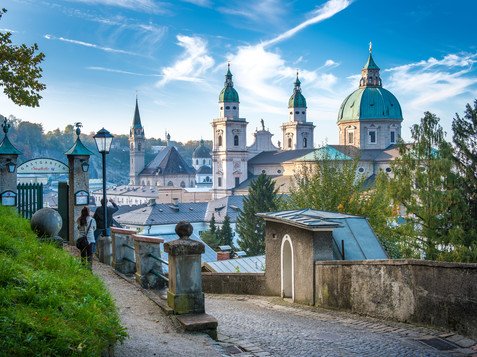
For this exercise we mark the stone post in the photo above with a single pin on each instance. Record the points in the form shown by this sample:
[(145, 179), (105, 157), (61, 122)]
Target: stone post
[(78, 180), (8, 163), (148, 267), (123, 250), (105, 249), (185, 294)]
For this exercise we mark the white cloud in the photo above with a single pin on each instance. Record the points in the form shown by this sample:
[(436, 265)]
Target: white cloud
[(330, 63), (191, 65), (433, 80), (327, 10), (149, 6), (203, 3), (112, 70), (269, 11), (88, 44), (8, 30)]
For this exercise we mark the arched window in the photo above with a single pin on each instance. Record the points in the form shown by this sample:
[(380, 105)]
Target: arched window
[(170, 183), (219, 139), (305, 142), (138, 146), (183, 184), (207, 179), (289, 143), (236, 140)]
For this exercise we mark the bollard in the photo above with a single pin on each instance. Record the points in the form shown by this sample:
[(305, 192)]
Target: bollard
[(105, 253)]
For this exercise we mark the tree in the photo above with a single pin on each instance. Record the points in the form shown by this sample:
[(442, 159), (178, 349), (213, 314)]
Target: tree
[(333, 184), (262, 197), (211, 236), (20, 70), (465, 157), (425, 184), (225, 234)]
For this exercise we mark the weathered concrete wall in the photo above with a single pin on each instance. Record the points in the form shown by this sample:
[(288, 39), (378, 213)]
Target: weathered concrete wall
[(234, 283), (435, 293)]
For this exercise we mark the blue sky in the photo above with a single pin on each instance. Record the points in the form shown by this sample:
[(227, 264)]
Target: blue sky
[(174, 54)]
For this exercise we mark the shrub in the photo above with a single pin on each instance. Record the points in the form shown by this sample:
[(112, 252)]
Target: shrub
[(50, 304)]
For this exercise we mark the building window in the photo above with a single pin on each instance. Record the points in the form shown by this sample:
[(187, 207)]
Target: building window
[(219, 181), (361, 170), (305, 142), (138, 146), (220, 140), (197, 161), (237, 181), (350, 137), (279, 171), (289, 143), (207, 179), (263, 171), (393, 137), (227, 107), (170, 183), (388, 170), (372, 136), (297, 112), (235, 107), (203, 162), (183, 184), (236, 140)]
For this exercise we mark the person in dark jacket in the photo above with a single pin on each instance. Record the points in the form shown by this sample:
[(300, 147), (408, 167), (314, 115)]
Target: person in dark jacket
[(99, 217)]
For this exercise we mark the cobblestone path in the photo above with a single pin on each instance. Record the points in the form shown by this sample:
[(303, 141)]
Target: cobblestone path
[(266, 326)]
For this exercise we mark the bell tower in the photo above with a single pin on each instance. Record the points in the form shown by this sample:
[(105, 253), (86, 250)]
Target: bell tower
[(229, 152), (297, 132), (136, 147)]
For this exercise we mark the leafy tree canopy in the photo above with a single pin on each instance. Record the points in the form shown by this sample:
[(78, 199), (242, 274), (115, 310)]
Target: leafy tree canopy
[(20, 70)]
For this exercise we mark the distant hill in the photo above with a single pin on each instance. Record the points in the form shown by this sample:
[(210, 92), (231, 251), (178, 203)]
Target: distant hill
[(33, 142)]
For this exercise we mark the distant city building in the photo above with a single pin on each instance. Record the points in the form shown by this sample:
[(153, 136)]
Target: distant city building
[(202, 163), (167, 169)]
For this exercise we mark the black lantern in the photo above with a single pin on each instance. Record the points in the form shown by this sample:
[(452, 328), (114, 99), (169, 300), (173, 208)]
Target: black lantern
[(11, 166), (103, 139), (84, 165)]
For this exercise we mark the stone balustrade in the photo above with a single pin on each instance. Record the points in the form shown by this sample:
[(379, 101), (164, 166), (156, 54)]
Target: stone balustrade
[(149, 272), (123, 259)]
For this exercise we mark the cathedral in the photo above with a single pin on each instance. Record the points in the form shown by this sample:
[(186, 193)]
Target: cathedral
[(369, 126)]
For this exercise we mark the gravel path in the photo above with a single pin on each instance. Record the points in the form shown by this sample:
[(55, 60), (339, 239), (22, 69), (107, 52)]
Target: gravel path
[(151, 332)]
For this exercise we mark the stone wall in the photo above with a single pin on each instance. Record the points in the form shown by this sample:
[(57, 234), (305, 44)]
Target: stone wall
[(435, 293), (234, 283)]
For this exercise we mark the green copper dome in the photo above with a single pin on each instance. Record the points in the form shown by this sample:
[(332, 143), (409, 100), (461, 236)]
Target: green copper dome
[(228, 94), (297, 100), (370, 101)]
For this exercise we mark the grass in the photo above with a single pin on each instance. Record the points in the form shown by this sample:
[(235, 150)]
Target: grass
[(50, 305)]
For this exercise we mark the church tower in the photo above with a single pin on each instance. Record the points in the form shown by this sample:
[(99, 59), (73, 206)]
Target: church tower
[(297, 132), (229, 153), (136, 146), (371, 116)]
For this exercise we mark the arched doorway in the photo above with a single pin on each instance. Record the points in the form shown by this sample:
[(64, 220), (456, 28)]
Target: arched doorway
[(287, 269)]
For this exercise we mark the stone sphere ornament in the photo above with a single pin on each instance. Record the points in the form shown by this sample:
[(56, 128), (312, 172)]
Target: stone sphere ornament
[(46, 223), (184, 229)]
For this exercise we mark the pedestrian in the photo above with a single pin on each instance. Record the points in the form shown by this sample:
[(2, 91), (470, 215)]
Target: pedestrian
[(98, 216), (86, 226)]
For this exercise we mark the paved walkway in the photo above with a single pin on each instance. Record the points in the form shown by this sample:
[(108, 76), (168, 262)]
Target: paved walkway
[(265, 326)]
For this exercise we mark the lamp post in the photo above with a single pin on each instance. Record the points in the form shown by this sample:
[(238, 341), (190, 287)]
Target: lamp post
[(103, 139)]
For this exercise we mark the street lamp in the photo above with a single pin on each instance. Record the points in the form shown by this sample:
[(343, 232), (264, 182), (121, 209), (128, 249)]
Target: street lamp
[(103, 139), (11, 166)]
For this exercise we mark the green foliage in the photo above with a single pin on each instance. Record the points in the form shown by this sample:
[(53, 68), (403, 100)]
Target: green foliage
[(334, 185), (465, 157), (20, 70), (427, 186), (211, 239), (262, 197), (225, 233), (50, 304)]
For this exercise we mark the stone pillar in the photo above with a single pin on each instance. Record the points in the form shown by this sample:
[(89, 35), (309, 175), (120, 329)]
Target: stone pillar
[(105, 249), (185, 294), (123, 250), (8, 163), (78, 180), (148, 267)]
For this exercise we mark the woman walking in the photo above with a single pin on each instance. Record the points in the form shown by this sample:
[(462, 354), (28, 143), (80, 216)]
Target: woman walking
[(86, 226)]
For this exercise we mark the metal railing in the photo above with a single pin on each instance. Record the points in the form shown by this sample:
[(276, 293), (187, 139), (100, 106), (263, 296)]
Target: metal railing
[(163, 262)]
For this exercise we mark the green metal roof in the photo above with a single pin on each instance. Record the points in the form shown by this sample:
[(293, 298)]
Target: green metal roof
[(137, 118), (370, 64), (7, 148), (324, 153), (297, 100), (228, 93), (370, 103), (79, 149)]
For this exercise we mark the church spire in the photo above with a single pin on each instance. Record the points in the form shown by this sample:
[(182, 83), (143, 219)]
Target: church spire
[(370, 72), (137, 118)]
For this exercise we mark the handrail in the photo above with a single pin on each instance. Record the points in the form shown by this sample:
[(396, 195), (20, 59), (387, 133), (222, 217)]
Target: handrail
[(128, 246), (159, 275), (159, 259)]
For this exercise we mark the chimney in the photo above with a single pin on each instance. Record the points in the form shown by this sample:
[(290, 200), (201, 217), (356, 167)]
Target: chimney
[(223, 255), (175, 201)]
